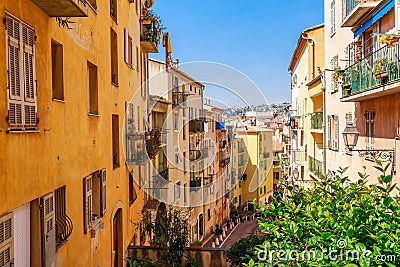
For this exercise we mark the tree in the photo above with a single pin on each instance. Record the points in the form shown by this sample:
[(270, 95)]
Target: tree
[(335, 223)]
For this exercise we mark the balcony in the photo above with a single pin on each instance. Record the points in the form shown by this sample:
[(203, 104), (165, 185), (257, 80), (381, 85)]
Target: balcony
[(374, 76), (179, 99), (150, 38), (355, 10), (194, 155), (317, 120), (315, 166), (196, 126), (222, 144), (63, 8), (195, 184)]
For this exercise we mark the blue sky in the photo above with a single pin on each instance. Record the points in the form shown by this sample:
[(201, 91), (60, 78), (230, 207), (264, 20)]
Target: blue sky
[(256, 37)]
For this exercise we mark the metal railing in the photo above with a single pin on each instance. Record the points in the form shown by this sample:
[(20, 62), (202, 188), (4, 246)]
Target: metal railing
[(315, 166), (373, 71), (317, 120)]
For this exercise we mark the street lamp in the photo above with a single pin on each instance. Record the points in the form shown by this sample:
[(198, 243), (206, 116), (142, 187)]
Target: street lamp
[(350, 136)]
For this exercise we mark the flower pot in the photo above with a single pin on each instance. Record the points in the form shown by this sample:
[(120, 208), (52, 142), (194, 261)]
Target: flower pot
[(381, 75), (196, 246)]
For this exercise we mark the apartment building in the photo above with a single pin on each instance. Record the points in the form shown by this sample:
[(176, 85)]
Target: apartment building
[(364, 92), (252, 165), (69, 196), (307, 108)]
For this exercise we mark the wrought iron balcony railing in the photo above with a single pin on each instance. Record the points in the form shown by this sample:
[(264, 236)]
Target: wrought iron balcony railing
[(317, 120), (374, 71), (315, 166)]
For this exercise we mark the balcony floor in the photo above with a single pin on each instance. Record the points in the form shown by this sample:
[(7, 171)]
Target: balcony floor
[(63, 8), (358, 12), (377, 91)]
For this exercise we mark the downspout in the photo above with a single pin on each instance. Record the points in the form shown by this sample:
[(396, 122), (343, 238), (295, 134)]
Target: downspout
[(324, 138), (312, 54)]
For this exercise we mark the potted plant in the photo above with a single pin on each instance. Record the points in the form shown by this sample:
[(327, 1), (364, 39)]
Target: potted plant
[(380, 68), (197, 244), (148, 3), (390, 38), (338, 75)]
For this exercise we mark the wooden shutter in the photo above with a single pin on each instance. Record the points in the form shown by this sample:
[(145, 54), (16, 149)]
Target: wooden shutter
[(87, 203), (6, 240), (103, 192), (49, 230), (329, 130), (126, 40), (29, 77), (14, 69), (336, 120)]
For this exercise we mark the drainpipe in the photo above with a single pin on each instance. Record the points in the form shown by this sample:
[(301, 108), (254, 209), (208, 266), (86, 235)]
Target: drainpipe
[(324, 145), (312, 54)]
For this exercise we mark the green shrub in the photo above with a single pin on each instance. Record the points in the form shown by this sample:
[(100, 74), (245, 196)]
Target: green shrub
[(244, 250), (357, 223)]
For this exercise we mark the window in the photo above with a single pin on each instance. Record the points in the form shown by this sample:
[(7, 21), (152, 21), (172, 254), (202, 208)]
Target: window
[(176, 121), (132, 192), (6, 240), (369, 128), (114, 58), (93, 107), (333, 17), (113, 9), (94, 196), (276, 175), (333, 132), (57, 72), (209, 214), (22, 107), (265, 189), (184, 161), (184, 193), (115, 140), (62, 221), (129, 50), (334, 65)]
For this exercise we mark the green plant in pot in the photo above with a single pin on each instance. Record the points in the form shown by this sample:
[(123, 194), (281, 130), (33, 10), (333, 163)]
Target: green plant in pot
[(380, 68), (338, 75)]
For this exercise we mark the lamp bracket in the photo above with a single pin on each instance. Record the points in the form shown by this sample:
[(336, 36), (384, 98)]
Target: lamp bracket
[(384, 155)]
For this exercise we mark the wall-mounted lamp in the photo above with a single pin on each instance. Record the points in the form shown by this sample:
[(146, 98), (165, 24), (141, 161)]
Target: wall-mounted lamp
[(350, 136)]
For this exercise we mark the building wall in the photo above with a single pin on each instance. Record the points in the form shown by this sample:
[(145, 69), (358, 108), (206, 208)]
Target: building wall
[(69, 143)]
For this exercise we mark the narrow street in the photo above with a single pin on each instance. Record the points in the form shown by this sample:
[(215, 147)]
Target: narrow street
[(242, 230)]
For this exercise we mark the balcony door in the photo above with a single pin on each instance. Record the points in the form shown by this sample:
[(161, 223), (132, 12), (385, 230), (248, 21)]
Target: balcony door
[(49, 231)]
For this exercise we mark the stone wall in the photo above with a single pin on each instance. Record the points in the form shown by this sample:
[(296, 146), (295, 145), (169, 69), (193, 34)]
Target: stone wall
[(207, 256)]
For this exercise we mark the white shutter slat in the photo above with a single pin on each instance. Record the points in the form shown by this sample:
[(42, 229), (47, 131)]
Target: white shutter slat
[(336, 132), (103, 192), (133, 53), (126, 45)]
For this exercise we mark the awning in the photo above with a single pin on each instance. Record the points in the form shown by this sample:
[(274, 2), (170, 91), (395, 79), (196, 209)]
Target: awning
[(375, 17)]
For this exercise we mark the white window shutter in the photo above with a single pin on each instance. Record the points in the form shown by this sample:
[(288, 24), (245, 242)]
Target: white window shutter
[(6, 240), (126, 38), (329, 131), (14, 68), (29, 77), (336, 132), (87, 203), (49, 229), (103, 192)]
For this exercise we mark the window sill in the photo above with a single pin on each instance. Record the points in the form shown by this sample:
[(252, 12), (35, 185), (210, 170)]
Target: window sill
[(20, 131), (115, 84), (58, 100), (93, 114)]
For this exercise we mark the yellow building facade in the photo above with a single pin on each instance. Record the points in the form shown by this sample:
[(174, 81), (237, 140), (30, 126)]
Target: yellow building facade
[(67, 195), (306, 68)]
